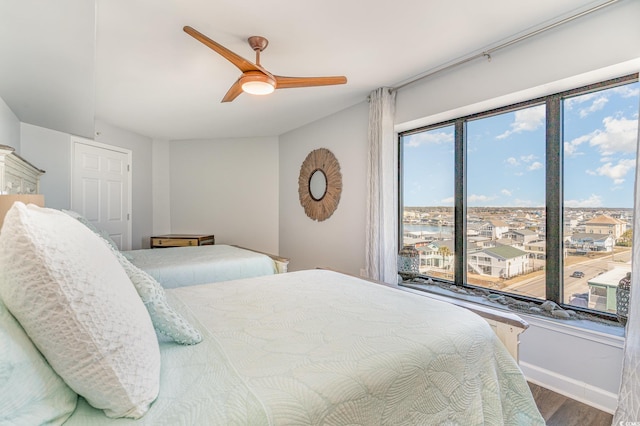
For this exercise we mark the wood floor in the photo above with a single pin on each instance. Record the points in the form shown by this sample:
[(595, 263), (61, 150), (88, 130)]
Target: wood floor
[(558, 410)]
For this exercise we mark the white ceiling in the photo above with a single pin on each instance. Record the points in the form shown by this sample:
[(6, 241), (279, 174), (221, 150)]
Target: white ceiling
[(65, 63)]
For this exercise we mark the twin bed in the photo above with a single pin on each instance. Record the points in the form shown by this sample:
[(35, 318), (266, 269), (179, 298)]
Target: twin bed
[(307, 348), (190, 265), (183, 266)]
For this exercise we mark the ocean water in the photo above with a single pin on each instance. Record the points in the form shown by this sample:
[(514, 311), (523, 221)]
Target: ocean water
[(428, 229)]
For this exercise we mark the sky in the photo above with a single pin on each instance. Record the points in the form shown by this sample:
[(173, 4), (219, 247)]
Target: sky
[(506, 156)]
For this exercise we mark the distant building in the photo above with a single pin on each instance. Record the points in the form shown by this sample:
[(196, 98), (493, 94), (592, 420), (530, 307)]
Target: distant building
[(493, 229), (409, 216), (592, 242), (536, 249), (409, 240), (509, 242), (500, 261), (602, 288), (604, 224), (436, 254), (570, 224), (522, 236)]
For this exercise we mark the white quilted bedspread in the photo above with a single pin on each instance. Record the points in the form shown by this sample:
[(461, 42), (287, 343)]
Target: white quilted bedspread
[(321, 348), (182, 266)]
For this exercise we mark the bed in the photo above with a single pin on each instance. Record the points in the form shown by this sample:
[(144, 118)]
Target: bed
[(320, 347), (182, 266), (303, 348)]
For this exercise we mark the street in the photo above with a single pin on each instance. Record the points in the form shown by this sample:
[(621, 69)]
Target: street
[(591, 267)]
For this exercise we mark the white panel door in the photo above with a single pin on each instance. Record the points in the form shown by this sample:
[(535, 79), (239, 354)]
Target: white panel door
[(100, 189)]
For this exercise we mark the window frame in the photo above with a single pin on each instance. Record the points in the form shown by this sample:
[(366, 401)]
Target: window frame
[(554, 196)]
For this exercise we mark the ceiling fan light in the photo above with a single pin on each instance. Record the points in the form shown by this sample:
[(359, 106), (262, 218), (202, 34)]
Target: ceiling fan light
[(257, 83), (257, 87)]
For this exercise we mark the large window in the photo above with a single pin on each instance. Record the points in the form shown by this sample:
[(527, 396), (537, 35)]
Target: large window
[(506, 199), (533, 200), (428, 223)]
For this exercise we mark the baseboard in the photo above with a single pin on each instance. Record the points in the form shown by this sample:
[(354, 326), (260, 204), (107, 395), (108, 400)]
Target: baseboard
[(598, 398)]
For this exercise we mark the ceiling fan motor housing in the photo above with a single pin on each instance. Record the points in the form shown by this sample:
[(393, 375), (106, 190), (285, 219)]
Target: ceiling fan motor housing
[(257, 83)]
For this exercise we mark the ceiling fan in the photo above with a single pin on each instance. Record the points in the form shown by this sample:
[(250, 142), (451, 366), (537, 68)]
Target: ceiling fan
[(255, 79)]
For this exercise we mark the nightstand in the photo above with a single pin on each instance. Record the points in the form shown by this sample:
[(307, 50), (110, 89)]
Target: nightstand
[(182, 240)]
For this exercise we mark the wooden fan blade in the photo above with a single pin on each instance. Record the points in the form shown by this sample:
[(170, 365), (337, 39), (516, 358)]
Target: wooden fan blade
[(264, 70), (237, 60), (233, 92), (289, 82)]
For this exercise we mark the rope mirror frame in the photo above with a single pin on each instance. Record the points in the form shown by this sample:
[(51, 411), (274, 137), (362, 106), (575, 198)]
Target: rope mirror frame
[(324, 161)]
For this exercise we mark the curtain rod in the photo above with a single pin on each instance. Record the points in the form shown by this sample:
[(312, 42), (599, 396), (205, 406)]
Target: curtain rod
[(487, 53)]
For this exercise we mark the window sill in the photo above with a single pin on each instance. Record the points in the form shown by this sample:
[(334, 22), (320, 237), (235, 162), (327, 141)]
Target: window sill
[(593, 328)]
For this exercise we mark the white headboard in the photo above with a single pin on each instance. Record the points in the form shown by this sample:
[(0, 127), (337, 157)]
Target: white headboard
[(17, 175)]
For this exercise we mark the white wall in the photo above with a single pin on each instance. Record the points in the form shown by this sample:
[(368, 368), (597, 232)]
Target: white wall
[(50, 151), (226, 187), (337, 242), (585, 365), (9, 127), (161, 184), (606, 37)]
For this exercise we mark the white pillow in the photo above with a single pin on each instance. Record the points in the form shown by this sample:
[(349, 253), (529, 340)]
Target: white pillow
[(164, 318), (83, 220), (31, 393), (77, 304)]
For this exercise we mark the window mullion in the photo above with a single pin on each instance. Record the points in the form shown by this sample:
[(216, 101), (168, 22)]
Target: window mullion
[(460, 206), (400, 226), (554, 196)]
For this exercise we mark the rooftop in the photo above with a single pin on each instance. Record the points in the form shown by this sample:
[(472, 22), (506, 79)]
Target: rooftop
[(505, 252)]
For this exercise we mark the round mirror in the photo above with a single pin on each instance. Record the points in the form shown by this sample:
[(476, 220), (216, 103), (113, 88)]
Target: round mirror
[(318, 185)]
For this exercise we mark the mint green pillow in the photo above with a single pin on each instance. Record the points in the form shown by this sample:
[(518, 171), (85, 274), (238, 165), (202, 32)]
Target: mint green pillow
[(164, 318), (31, 393)]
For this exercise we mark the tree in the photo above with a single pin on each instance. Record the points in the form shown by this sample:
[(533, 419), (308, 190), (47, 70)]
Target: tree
[(626, 238), (444, 251)]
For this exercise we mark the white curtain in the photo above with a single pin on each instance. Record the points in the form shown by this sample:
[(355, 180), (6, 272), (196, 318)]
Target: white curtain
[(382, 195), (628, 410)]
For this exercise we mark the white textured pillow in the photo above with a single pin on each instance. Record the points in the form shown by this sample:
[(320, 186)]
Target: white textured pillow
[(31, 393), (83, 220), (77, 304), (164, 318)]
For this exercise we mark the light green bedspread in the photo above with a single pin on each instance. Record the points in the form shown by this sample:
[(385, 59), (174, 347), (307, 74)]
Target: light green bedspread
[(321, 348), (182, 266)]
